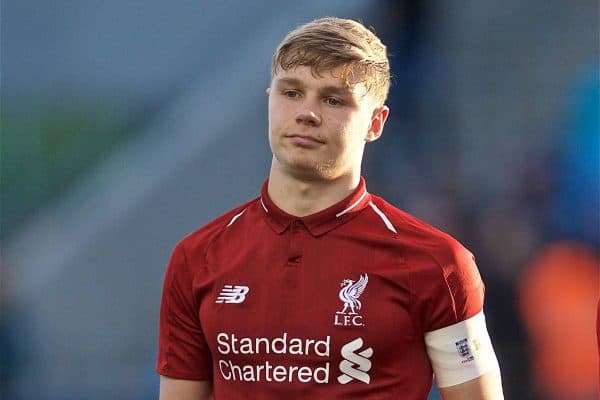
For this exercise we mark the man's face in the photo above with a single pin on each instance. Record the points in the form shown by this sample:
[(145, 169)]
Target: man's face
[(318, 126)]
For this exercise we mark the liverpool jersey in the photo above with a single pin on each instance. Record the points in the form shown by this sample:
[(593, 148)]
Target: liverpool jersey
[(338, 304)]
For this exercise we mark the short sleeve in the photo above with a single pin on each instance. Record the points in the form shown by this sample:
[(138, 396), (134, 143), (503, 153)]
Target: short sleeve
[(449, 289), (450, 308), (182, 349)]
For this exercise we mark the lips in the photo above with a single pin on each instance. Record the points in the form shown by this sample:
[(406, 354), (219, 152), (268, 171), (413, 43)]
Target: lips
[(305, 141)]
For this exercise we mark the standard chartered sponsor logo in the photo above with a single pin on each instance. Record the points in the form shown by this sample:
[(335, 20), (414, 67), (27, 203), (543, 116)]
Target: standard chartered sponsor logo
[(273, 373), (228, 344), (355, 365), (244, 359)]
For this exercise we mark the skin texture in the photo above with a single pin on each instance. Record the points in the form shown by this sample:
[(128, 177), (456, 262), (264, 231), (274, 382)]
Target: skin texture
[(318, 129), (485, 387)]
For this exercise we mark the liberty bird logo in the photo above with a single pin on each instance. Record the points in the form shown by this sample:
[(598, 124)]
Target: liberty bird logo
[(349, 294)]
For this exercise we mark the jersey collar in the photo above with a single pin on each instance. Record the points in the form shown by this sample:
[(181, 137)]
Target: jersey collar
[(322, 221)]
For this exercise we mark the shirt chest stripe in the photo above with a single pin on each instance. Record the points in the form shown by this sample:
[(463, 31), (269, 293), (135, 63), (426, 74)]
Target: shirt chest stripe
[(385, 219)]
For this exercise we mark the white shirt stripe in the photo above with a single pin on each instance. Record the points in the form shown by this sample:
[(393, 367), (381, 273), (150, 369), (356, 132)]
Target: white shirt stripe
[(385, 219), (263, 205), (236, 217), (357, 202)]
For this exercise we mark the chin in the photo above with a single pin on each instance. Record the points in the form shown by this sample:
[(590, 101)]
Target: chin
[(302, 164), (314, 171)]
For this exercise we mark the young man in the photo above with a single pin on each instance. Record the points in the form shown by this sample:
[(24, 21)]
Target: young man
[(318, 289)]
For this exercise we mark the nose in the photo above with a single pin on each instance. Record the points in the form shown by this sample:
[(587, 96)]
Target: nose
[(308, 116)]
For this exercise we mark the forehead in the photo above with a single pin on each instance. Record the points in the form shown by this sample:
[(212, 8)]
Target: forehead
[(331, 79)]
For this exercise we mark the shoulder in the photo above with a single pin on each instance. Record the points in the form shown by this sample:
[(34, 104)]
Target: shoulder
[(417, 236), (444, 278), (201, 238)]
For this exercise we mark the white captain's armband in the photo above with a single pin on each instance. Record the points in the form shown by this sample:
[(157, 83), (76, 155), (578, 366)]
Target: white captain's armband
[(461, 352)]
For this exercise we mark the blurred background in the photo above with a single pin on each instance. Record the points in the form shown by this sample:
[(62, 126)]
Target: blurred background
[(127, 124)]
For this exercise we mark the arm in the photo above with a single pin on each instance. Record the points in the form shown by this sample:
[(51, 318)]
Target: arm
[(486, 387), (460, 349), (184, 362), (179, 389)]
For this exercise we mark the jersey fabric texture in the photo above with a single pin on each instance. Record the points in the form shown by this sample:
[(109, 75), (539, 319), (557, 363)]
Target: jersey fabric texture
[(333, 305)]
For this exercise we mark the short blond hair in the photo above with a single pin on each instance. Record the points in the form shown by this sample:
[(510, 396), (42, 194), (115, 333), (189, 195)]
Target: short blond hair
[(328, 43)]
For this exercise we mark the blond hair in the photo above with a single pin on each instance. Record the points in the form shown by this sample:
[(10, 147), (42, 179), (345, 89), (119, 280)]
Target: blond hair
[(328, 43)]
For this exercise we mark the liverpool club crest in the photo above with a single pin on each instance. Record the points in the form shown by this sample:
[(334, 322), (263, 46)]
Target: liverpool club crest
[(349, 295)]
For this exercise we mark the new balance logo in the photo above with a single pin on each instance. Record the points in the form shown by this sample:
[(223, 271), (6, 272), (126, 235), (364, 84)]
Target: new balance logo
[(355, 365), (232, 294)]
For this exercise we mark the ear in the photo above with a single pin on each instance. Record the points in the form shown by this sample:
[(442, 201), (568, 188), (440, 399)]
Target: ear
[(380, 115), (268, 91)]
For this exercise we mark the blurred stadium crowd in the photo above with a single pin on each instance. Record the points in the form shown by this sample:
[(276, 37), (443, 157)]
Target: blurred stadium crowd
[(126, 125)]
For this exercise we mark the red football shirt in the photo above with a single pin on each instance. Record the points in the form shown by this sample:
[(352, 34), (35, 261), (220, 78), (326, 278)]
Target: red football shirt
[(333, 305)]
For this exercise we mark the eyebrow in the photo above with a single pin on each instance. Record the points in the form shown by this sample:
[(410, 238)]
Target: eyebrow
[(340, 90)]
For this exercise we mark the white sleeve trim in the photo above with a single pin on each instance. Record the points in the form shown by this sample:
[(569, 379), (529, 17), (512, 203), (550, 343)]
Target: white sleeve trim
[(461, 352), (236, 216)]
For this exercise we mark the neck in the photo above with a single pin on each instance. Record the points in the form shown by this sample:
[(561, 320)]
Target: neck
[(301, 196)]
